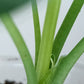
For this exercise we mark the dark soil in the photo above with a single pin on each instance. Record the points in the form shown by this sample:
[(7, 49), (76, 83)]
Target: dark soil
[(11, 82)]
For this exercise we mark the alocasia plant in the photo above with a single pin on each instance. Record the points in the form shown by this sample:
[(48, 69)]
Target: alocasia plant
[(46, 47)]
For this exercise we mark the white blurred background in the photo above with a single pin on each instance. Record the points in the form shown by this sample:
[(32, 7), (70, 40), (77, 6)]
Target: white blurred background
[(10, 63)]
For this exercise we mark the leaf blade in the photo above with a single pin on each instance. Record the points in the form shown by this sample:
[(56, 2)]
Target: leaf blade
[(7, 5)]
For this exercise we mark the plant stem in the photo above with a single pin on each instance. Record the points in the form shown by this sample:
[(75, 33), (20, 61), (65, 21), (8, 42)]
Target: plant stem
[(21, 47), (47, 37), (65, 64), (36, 29)]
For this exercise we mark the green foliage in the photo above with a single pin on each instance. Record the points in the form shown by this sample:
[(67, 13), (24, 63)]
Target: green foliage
[(7, 5), (66, 27), (46, 48)]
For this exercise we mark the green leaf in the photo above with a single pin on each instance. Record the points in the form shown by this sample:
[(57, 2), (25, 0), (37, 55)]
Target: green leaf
[(66, 27), (21, 47), (65, 64), (36, 29), (47, 37), (7, 5)]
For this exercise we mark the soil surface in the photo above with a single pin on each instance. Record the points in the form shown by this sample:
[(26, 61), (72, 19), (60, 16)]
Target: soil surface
[(11, 82)]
